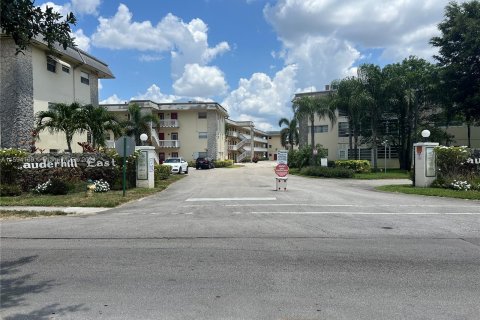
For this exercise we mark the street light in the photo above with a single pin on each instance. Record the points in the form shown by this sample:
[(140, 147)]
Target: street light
[(385, 143), (425, 134), (143, 138)]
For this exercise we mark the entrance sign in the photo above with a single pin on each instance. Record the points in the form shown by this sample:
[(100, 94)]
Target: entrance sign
[(282, 157), (281, 170), (142, 166)]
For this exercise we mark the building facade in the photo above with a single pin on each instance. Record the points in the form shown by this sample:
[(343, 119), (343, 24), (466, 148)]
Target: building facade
[(189, 130), (245, 142), (32, 81)]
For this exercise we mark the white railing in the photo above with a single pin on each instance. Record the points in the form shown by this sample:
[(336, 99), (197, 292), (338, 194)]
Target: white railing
[(260, 149), (232, 134), (260, 139), (155, 139), (239, 145), (169, 123), (169, 144), (243, 156)]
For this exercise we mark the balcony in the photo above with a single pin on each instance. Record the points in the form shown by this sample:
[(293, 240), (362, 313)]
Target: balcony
[(169, 123), (169, 144), (260, 139)]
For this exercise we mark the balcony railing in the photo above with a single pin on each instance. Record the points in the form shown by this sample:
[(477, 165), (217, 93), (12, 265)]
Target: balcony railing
[(169, 123), (169, 144)]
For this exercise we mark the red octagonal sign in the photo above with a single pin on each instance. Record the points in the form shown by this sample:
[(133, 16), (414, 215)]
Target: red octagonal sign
[(281, 170)]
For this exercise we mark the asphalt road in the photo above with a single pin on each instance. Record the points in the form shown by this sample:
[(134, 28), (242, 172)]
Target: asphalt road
[(223, 244)]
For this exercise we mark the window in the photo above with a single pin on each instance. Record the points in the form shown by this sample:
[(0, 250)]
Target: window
[(65, 69), (174, 136), (161, 116), (270, 146), (320, 129), (85, 78), (174, 154), (53, 150), (202, 115), (342, 112), (343, 129), (51, 65), (202, 135), (269, 137), (174, 116)]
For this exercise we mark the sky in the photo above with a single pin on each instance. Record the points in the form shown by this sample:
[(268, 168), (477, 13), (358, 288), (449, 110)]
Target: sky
[(250, 56)]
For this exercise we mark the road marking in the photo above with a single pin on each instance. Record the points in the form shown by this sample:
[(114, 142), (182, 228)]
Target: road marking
[(232, 199), (364, 213), (350, 205)]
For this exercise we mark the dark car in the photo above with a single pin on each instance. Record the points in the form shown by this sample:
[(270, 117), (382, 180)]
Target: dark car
[(204, 163)]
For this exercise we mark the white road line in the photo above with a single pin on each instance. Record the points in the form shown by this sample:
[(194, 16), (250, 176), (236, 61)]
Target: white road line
[(364, 213), (232, 199), (350, 205)]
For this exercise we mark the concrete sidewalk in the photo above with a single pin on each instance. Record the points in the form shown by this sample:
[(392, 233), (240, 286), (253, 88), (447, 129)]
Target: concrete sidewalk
[(79, 210)]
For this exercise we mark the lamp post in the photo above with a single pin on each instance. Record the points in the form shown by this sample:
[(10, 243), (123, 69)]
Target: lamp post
[(425, 134), (385, 143), (143, 138)]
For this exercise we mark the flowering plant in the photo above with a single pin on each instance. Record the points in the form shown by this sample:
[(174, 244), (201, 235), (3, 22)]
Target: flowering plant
[(101, 186), (42, 188), (460, 185)]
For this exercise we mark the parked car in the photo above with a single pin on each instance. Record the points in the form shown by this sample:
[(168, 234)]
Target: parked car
[(204, 163), (178, 165)]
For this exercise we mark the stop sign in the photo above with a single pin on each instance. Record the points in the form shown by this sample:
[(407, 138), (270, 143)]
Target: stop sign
[(281, 170)]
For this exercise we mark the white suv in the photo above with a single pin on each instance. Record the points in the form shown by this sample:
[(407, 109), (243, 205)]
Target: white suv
[(178, 165)]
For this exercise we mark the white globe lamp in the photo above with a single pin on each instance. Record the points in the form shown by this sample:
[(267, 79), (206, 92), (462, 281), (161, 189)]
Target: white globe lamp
[(143, 138)]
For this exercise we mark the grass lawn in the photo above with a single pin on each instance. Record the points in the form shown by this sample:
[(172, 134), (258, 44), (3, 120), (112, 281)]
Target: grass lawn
[(438, 192), (390, 174), (5, 214), (108, 199)]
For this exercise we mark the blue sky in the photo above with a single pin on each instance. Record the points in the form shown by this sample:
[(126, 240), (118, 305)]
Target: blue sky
[(251, 56)]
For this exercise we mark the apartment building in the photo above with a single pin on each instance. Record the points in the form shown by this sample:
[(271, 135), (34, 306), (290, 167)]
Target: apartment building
[(33, 81), (274, 144), (188, 130), (244, 141)]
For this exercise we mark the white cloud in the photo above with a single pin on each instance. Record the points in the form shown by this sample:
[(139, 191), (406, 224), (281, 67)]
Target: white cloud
[(200, 81), (86, 6), (76, 6), (263, 98), (324, 37), (81, 40), (114, 99), (186, 42), (63, 10), (154, 94), (150, 58)]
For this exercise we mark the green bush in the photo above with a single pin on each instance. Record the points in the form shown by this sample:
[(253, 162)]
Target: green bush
[(9, 190), (192, 163), (10, 160), (316, 171), (57, 187), (304, 156), (453, 167), (358, 166), (162, 172), (223, 163)]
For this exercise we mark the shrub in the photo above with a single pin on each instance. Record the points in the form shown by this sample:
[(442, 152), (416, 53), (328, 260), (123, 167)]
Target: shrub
[(460, 185), (10, 160), (454, 170), (52, 186), (192, 163), (304, 156), (9, 190), (358, 166), (326, 172), (223, 163), (101, 186), (162, 171)]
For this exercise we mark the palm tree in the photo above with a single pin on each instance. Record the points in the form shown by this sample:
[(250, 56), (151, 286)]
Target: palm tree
[(309, 106), (99, 121), (138, 122), (351, 98), (62, 118), (289, 135)]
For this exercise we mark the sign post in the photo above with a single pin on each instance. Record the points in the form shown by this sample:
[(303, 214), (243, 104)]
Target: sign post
[(281, 170), (125, 147)]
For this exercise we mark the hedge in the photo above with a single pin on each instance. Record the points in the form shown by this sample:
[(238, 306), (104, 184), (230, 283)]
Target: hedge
[(223, 163), (358, 166), (326, 172)]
